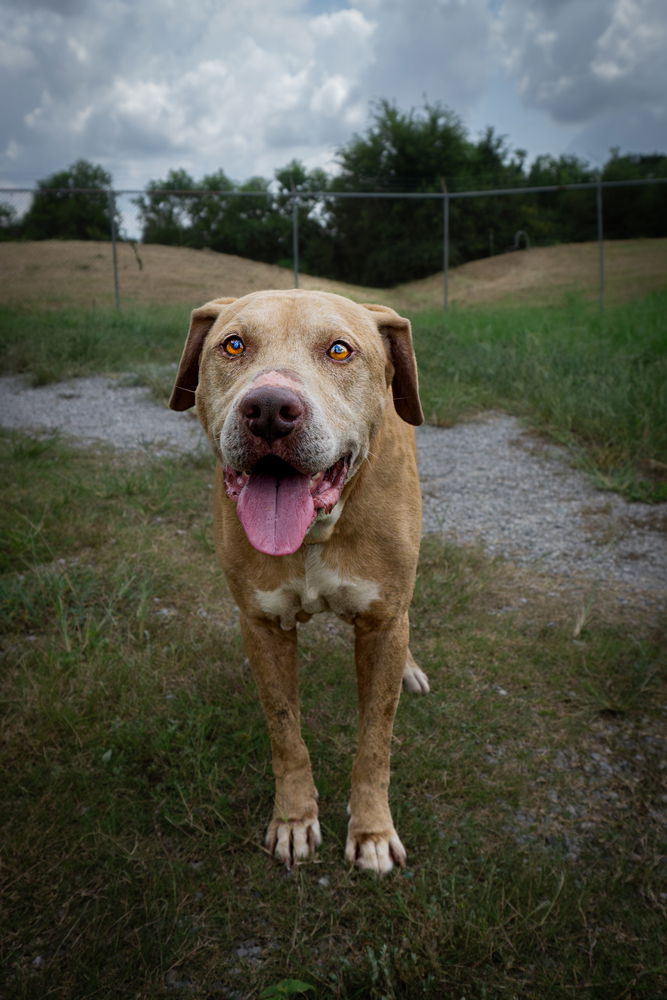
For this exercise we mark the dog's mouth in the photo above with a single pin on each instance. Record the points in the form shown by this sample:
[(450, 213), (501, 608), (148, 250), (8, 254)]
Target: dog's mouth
[(277, 503)]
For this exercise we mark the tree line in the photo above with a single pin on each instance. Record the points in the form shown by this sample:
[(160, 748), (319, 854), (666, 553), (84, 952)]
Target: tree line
[(367, 241)]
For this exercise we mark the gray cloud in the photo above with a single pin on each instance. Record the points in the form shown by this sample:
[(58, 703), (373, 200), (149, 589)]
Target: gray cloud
[(441, 49), (583, 61), (123, 81), (144, 87), (65, 7)]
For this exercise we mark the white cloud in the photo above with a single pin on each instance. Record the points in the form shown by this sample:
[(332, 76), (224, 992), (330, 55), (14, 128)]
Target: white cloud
[(598, 65), (342, 23), (330, 97), (579, 60), (145, 87), (438, 49), (141, 99), (632, 48), (38, 118), (79, 51), (12, 150), (15, 57)]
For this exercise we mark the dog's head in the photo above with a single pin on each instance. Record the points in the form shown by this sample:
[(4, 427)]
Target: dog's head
[(291, 387)]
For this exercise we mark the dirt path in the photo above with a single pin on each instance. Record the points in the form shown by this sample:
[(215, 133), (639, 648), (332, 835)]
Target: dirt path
[(488, 482)]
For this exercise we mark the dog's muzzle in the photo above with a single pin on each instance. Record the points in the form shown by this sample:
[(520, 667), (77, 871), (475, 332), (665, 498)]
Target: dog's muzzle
[(278, 497)]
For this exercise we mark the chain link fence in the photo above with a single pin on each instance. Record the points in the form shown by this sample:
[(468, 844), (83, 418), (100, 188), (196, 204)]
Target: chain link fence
[(114, 215)]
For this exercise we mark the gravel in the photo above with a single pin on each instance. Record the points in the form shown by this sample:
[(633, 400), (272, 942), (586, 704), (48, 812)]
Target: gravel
[(97, 409), (495, 483), (489, 482)]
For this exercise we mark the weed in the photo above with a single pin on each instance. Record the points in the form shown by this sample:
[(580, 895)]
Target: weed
[(136, 775), (49, 345), (595, 383)]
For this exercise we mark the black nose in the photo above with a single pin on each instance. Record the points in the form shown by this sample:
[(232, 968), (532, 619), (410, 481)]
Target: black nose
[(271, 412)]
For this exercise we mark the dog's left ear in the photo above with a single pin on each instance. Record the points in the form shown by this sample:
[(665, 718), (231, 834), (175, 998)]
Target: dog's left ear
[(202, 319), (397, 335)]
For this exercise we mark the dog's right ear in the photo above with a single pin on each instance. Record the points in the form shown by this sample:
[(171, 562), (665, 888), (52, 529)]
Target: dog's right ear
[(202, 319)]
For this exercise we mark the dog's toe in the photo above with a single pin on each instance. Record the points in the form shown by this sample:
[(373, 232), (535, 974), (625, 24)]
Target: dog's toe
[(375, 853), (414, 679), (291, 841)]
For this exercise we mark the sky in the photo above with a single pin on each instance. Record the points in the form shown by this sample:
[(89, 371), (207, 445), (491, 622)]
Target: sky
[(145, 86)]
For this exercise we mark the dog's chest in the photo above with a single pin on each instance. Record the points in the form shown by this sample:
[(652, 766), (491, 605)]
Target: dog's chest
[(320, 588)]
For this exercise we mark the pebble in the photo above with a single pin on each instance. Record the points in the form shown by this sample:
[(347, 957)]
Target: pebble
[(488, 482), (491, 482)]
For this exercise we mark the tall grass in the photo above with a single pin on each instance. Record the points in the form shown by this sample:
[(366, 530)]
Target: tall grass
[(136, 779), (595, 382), (48, 345)]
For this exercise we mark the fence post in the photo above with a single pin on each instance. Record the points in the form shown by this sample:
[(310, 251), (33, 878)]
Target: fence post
[(445, 241), (114, 255), (600, 225), (295, 236)]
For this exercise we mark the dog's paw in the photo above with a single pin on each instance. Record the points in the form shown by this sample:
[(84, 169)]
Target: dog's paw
[(291, 841), (374, 852), (414, 678)]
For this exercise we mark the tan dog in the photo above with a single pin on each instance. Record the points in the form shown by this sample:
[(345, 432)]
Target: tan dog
[(306, 398)]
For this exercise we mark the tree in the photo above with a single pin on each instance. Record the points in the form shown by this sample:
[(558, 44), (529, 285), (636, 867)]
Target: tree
[(386, 241), (9, 225), (185, 212), (315, 244), (247, 225), (165, 209), (208, 211), (565, 216), (635, 211), (72, 205), (383, 242), (247, 219)]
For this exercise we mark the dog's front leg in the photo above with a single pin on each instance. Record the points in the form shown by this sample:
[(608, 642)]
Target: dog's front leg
[(380, 651), (294, 831)]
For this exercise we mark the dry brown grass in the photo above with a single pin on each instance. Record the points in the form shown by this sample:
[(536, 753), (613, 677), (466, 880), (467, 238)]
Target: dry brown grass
[(75, 273), (542, 275)]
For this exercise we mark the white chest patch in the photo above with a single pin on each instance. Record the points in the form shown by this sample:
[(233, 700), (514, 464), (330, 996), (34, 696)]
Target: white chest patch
[(319, 589)]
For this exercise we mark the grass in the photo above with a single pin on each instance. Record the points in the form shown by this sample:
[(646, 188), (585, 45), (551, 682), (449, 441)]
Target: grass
[(78, 274), (137, 780), (50, 345), (594, 382)]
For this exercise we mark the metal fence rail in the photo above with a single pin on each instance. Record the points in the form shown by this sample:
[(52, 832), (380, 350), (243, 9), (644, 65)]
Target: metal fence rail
[(299, 197)]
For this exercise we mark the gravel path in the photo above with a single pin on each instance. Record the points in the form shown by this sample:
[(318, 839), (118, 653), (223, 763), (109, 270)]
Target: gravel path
[(488, 481)]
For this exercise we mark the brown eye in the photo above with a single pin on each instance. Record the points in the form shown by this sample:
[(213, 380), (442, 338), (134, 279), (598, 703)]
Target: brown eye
[(233, 346), (339, 351)]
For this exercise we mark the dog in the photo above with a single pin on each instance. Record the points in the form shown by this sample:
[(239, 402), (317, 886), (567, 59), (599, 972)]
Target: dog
[(307, 399)]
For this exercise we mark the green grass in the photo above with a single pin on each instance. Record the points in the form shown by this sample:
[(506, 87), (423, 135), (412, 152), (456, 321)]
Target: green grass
[(594, 382), (50, 345), (136, 776)]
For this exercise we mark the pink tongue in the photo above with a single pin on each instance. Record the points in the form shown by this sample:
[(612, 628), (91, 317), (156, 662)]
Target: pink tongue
[(276, 509)]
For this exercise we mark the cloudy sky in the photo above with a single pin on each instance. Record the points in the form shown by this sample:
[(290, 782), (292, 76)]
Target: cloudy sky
[(143, 86)]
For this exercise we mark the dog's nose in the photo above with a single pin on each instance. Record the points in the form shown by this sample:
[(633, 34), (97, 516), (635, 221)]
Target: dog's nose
[(271, 412)]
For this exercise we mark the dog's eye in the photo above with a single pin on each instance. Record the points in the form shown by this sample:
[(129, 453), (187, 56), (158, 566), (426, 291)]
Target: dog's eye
[(340, 351), (233, 346)]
